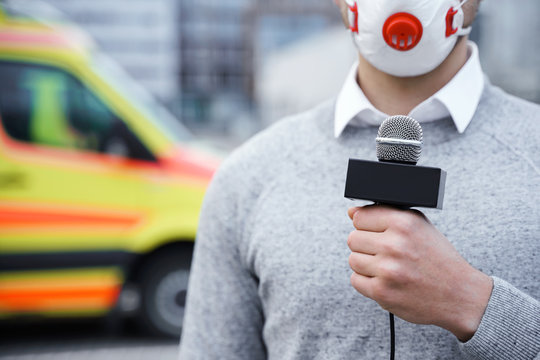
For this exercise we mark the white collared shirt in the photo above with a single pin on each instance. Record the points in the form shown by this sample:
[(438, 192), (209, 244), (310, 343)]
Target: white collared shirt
[(457, 99)]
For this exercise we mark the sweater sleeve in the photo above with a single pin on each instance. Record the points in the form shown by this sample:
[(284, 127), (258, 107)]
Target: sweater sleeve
[(510, 327), (223, 317)]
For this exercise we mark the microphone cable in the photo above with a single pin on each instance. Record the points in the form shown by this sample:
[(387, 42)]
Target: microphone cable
[(392, 337)]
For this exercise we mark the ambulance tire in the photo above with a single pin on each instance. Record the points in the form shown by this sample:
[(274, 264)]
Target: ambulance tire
[(164, 282)]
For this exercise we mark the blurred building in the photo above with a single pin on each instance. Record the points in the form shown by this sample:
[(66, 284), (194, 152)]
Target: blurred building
[(223, 44), (281, 22), (301, 75), (216, 67), (509, 44), (198, 56), (225, 64), (140, 35)]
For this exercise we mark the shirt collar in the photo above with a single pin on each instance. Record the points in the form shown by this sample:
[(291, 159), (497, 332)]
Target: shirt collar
[(458, 99)]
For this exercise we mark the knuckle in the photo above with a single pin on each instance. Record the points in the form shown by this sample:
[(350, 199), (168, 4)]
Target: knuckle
[(400, 247), (355, 284), (404, 223), (356, 219), (353, 279), (394, 246), (358, 216), (395, 274), (387, 247), (391, 271), (355, 262), (351, 238), (359, 286), (352, 261), (412, 254)]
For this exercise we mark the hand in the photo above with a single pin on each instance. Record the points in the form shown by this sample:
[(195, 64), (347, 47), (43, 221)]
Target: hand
[(409, 268)]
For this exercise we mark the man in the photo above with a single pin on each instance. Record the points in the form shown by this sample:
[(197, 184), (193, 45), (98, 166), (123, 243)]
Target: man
[(270, 278)]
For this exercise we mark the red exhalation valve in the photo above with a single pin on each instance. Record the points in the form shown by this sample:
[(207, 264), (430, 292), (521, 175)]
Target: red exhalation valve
[(402, 31)]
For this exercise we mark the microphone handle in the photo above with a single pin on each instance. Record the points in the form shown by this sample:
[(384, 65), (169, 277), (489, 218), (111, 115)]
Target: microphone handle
[(391, 316)]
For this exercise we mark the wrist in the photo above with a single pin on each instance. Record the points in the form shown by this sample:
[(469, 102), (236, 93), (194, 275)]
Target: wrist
[(471, 303)]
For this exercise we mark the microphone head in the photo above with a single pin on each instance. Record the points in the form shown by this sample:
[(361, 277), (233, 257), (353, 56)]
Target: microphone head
[(399, 140)]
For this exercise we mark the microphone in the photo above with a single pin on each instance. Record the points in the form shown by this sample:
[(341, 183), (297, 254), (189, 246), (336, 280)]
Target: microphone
[(395, 179)]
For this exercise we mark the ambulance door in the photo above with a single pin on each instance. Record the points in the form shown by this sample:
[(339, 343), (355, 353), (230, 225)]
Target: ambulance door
[(72, 193)]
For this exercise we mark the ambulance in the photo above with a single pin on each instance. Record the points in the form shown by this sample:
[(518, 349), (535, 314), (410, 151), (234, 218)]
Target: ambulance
[(100, 187)]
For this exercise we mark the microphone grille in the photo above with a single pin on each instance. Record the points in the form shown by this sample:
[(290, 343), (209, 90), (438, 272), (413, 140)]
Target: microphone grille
[(399, 140)]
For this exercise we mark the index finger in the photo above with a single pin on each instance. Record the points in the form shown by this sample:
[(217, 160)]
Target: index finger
[(374, 218)]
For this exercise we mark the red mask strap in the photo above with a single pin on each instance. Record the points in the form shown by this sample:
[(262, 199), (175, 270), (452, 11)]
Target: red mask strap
[(354, 11), (450, 29)]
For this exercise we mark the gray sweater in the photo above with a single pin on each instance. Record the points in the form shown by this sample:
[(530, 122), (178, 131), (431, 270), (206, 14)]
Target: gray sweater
[(270, 274)]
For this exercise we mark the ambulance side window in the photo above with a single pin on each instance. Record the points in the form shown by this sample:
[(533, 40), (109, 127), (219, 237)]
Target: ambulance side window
[(47, 106)]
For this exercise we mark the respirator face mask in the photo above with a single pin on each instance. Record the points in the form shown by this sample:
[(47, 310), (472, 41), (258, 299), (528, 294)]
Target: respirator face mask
[(406, 37)]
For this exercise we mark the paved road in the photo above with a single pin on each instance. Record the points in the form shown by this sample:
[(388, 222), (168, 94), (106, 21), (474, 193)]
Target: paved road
[(80, 340)]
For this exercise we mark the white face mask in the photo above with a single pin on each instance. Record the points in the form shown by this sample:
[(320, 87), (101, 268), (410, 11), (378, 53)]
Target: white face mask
[(406, 37)]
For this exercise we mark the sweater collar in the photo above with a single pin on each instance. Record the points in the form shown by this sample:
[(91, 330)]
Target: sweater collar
[(458, 99)]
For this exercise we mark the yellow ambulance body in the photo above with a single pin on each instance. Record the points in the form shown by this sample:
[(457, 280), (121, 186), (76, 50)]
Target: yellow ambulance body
[(100, 189)]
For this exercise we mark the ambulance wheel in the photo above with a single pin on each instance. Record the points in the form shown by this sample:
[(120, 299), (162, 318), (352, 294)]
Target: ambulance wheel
[(164, 283)]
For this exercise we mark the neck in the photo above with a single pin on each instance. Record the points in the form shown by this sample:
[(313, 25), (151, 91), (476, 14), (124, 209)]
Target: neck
[(399, 95)]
